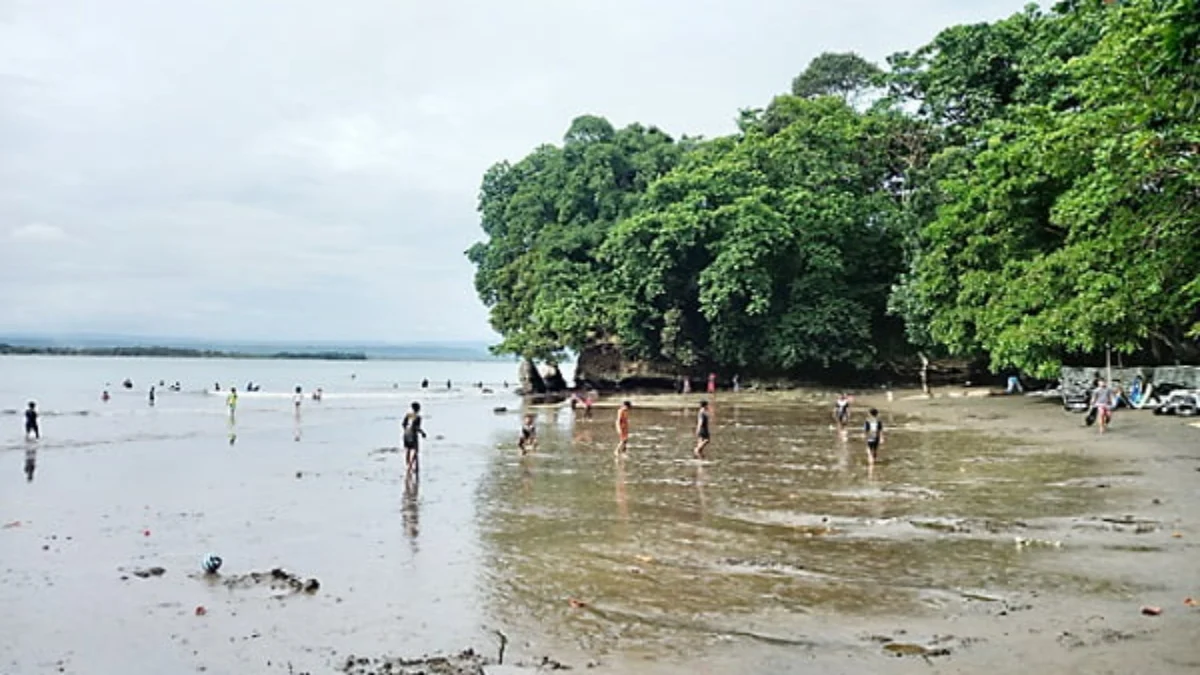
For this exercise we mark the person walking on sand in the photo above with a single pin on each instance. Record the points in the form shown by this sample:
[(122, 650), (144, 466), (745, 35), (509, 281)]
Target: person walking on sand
[(297, 399), (873, 430), (528, 438), (841, 412), (231, 401), (412, 430), (703, 435), (623, 428), (151, 396), (1102, 401), (31, 422)]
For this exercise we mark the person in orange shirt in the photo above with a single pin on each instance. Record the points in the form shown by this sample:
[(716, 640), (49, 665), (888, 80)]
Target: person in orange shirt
[(623, 428)]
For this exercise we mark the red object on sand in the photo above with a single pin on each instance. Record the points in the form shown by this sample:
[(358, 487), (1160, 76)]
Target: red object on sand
[(200, 611)]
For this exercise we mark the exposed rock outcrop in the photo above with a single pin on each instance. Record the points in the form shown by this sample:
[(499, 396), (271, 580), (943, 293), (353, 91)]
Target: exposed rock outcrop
[(531, 380), (553, 379), (604, 367)]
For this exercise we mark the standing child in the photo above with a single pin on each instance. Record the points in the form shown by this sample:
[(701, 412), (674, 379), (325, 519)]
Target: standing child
[(623, 428), (703, 436), (412, 429), (31, 421), (528, 439), (841, 412), (297, 399), (873, 429), (152, 394)]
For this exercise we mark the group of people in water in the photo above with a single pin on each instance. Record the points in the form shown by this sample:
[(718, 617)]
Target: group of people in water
[(872, 426)]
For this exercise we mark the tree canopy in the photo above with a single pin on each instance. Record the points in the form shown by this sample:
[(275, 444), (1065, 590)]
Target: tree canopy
[(1024, 191)]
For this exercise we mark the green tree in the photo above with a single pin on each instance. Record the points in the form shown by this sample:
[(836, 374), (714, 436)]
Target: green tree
[(544, 217), (771, 251), (845, 75), (1076, 229)]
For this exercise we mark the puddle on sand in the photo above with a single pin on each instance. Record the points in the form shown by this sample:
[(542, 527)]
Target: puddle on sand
[(662, 555)]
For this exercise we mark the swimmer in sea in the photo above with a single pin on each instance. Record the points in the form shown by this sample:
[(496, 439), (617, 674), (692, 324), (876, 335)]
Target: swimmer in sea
[(412, 434), (623, 428), (31, 421), (703, 435), (528, 439)]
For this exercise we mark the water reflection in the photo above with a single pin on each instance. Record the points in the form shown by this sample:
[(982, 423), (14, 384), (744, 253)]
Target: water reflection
[(410, 508), (786, 516), (31, 450)]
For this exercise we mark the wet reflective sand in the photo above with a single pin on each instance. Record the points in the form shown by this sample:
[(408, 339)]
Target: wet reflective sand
[(669, 553)]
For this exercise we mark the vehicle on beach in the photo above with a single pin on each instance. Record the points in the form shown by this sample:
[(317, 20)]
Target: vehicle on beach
[(1182, 402)]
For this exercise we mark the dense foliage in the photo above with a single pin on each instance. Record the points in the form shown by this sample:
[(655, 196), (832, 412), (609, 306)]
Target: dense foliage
[(1023, 190)]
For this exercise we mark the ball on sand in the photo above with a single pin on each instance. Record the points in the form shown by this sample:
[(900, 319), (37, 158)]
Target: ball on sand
[(211, 563)]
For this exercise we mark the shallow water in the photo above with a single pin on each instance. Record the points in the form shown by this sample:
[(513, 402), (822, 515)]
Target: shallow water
[(786, 521), (664, 557)]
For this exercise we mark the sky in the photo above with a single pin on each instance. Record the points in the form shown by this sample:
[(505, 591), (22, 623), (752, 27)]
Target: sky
[(308, 170)]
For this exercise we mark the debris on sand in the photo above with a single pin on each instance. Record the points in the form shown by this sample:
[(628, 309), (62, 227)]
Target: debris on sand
[(464, 663), (277, 579), (911, 649), (467, 662), (146, 573)]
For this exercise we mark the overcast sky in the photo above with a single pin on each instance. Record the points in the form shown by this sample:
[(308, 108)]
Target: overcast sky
[(304, 169)]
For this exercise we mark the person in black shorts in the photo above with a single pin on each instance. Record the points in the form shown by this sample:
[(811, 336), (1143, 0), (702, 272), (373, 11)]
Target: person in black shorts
[(873, 429), (703, 435), (31, 421), (412, 430)]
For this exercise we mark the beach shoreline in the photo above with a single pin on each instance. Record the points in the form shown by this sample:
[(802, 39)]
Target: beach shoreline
[(782, 554)]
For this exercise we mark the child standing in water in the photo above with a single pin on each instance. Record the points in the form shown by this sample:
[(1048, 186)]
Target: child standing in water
[(412, 429), (528, 439), (31, 421), (623, 428), (873, 429), (703, 436), (841, 412)]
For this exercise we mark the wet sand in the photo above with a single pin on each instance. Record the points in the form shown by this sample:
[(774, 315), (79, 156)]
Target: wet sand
[(996, 534)]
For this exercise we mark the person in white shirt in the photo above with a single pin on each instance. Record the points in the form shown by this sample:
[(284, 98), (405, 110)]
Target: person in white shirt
[(296, 399)]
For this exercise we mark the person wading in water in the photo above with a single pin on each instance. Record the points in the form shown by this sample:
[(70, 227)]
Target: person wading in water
[(412, 430)]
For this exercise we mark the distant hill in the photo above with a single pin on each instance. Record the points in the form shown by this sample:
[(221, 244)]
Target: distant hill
[(101, 344)]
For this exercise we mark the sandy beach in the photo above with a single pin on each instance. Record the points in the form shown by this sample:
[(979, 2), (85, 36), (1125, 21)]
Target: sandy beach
[(996, 535)]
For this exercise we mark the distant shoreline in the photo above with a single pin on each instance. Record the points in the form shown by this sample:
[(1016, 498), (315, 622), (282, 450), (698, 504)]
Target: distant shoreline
[(177, 352)]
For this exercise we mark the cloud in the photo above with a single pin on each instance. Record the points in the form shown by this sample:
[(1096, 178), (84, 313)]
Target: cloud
[(309, 170), (38, 232)]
